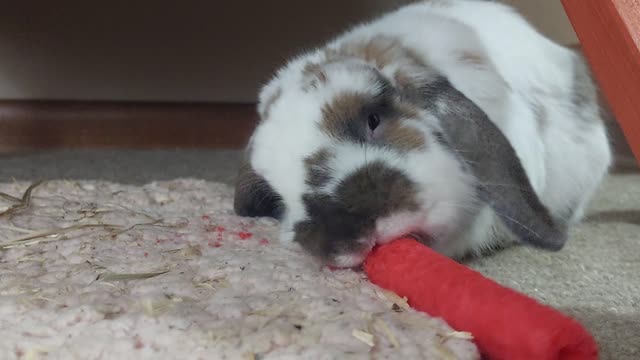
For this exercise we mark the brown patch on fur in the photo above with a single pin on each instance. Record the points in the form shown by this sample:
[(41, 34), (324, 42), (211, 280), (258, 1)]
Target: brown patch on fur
[(339, 111), (402, 80), (472, 58), (409, 84), (403, 138), (387, 190), (336, 221), (271, 99), (317, 168), (316, 75), (406, 110), (345, 118), (380, 50), (398, 135), (313, 69)]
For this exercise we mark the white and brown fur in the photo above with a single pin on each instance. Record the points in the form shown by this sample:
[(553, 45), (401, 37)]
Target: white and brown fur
[(485, 133)]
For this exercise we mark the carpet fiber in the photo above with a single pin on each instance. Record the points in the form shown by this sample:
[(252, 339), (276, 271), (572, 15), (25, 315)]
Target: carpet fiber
[(95, 270), (596, 278)]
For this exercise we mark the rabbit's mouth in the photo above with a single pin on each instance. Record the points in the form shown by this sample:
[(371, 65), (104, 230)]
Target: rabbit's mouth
[(419, 236), (355, 259), (402, 225), (349, 260)]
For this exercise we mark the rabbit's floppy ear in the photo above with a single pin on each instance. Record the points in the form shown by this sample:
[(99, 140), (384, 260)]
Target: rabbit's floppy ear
[(254, 197), (502, 180)]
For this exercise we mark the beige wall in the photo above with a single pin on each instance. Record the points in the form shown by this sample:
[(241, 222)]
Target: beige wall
[(158, 50), (549, 17)]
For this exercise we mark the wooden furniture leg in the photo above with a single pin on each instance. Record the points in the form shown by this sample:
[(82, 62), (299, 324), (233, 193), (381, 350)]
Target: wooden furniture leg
[(609, 31)]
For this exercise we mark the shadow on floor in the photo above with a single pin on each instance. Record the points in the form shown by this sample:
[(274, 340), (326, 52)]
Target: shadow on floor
[(615, 216), (618, 335)]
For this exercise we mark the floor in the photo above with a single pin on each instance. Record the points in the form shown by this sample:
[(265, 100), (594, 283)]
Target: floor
[(596, 278)]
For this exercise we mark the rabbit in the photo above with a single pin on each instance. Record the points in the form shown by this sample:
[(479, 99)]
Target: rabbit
[(454, 122)]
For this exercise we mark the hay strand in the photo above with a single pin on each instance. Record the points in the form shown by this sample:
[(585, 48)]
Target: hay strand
[(16, 229), (364, 336), (382, 326), (41, 236), (464, 335), (23, 203), (398, 304), (9, 197), (155, 308), (36, 237), (109, 276), (444, 353)]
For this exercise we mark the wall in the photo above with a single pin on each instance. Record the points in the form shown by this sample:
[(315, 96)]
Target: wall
[(549, 17), (156, 50)]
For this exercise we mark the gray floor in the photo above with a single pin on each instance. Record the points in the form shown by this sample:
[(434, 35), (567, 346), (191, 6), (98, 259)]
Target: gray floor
[(131, 167), (596, 278)]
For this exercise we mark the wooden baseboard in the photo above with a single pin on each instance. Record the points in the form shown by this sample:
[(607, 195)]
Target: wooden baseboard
[(31, 125)]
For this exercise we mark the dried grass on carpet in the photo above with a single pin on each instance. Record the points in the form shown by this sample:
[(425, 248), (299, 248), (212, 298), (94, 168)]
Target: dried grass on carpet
[(97, 270)]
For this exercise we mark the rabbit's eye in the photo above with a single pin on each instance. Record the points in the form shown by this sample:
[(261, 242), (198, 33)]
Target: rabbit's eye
[(373, 121)]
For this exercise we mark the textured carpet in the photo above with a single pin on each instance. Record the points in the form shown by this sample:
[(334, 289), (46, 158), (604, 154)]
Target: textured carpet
[(166, 269), (596, 277)]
